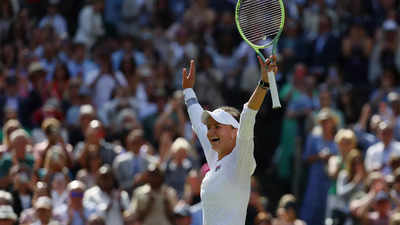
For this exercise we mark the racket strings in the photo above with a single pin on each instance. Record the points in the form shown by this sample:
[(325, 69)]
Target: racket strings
[(259, 20)]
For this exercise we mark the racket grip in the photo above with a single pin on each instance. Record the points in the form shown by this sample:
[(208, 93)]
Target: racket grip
[(274, 90)]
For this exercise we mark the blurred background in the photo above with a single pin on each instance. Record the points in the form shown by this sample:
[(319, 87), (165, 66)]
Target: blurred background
[(95, 130)]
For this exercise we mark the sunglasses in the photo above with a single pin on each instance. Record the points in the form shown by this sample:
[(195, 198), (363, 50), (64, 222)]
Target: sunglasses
[(76, 194)]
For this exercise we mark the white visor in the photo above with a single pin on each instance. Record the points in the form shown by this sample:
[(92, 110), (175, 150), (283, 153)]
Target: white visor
[(221, 117)]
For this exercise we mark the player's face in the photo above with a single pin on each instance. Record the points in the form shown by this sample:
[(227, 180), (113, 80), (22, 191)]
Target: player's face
[(222, 137)]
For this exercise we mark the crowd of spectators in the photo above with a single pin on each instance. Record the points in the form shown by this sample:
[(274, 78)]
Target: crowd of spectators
[(95, 130)]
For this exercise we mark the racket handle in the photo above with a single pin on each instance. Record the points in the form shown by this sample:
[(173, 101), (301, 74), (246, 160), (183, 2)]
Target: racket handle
[(274, 90)]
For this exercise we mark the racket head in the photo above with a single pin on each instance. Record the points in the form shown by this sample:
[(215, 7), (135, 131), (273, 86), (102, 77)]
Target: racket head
[(260, 22)]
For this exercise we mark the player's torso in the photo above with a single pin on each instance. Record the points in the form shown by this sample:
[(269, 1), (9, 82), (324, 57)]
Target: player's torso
[(224, 195)]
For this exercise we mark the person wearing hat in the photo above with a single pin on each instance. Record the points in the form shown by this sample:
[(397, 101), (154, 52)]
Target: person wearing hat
[(378, 155), (44, 214), (7, 215), (228, 146)]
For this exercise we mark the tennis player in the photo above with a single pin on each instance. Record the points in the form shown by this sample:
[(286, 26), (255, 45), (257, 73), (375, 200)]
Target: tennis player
[(228, 146)]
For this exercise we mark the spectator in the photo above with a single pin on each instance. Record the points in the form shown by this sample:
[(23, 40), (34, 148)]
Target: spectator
[(53, 130), (79, 64), (351, 180), (9, 127), (11, 99), (346, 141), (103, 81), (129, 166), (86, 114), (74, 212), (22, 193), (288, 211), (91, 26), (105, 198), (378, 155), (263, 218), (28, 215), (7, 215), (38, 95), (317, 153), (95, 143), (153, 202), (54, 19), (43, 208), (182, 159)]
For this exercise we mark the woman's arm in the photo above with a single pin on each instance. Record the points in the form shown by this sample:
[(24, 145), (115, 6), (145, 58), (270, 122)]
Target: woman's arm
[(259, 93), (195, 111)]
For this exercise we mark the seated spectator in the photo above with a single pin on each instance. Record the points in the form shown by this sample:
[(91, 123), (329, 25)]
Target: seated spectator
[(378, 155), (153, 203), (105, 199), (7, 215)]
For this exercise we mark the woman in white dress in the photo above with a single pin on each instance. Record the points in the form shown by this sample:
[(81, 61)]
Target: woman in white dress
[(228, 145)]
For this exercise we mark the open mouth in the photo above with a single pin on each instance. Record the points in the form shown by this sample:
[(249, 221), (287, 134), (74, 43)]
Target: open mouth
[(214, 140)]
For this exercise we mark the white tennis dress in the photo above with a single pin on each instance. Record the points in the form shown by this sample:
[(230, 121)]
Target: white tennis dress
[(225, 190)]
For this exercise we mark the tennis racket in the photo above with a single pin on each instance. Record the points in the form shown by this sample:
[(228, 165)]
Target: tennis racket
[(260, 23)]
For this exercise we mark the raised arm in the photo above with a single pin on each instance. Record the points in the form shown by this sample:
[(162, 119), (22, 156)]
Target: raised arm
[(259, 93), (246, 162), (195, 111)]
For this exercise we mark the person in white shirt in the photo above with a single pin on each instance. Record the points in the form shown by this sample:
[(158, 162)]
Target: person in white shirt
[(379, 154), (90, 23), (54, 19), (228, 146)]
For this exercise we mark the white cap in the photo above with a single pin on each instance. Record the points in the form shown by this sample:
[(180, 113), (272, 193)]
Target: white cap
[(221, 117)]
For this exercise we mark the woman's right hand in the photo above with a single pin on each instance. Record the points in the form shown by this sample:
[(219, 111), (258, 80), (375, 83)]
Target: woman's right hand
[(189, 79)]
